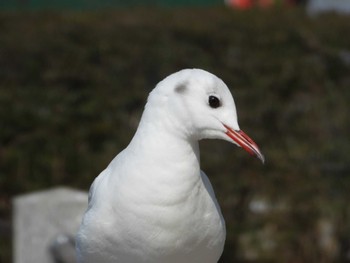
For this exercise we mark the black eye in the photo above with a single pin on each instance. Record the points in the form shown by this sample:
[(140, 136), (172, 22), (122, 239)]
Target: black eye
[(214, 102)]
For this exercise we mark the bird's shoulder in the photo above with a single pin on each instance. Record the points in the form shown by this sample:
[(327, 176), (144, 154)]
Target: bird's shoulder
[(97, 183)]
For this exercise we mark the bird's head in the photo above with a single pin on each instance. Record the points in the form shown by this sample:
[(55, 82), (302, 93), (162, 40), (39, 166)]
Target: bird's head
[(199, 105)]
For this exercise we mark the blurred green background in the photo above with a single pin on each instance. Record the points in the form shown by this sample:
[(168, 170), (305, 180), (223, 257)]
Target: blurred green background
[(73, 86), (94, 4)]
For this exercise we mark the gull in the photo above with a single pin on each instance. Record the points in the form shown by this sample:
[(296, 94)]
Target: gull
[(153, 204)]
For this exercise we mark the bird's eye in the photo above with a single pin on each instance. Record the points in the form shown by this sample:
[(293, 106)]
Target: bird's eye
[(214, 102)]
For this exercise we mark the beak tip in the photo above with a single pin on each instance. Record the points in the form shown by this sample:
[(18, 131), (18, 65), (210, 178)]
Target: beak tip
[(262, 158)]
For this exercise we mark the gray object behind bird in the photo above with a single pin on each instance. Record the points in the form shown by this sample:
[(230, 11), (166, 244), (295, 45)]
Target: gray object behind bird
[(45, 224), (315, 7)]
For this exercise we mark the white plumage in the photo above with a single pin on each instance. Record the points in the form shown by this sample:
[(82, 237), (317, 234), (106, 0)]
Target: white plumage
[(153, 204)]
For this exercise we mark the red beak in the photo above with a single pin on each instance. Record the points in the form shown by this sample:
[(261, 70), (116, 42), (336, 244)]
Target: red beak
[(245, 142)]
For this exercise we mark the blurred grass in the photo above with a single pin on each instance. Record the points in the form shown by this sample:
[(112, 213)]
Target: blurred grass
[(73, 86)]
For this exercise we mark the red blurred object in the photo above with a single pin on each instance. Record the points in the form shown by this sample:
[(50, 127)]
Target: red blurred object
[(240, 4), (247, 4)]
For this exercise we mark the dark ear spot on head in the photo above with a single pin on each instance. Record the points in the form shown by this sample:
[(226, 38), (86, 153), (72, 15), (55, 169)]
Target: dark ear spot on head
[(181, 87)]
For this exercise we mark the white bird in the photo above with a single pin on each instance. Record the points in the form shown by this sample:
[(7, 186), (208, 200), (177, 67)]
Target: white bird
[(153, 204)]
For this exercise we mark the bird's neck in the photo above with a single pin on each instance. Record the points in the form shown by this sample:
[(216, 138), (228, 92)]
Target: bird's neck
[(163, 148), (153, 142)]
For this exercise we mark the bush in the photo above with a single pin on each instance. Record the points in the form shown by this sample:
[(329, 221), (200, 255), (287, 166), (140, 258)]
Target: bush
[(73, 86)]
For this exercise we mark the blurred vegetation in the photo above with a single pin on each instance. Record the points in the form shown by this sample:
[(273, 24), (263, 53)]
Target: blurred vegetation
[(73, 86)]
